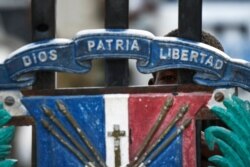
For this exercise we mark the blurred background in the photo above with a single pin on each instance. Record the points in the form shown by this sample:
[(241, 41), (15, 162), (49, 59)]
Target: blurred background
[(228, 20)]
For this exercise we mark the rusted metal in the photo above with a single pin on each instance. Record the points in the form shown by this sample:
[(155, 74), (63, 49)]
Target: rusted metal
[(22, 121), (219, 96), (185, 88), (205, 114), (117, 133), (9, 101), (27, 121)]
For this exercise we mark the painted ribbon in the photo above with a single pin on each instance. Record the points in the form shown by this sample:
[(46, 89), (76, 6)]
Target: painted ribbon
[(214, 68)]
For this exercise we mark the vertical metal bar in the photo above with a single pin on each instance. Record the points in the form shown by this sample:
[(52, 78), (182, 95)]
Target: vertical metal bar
[(198, 125), (43, 27), (190, 27), (116, 16), (34, 148)]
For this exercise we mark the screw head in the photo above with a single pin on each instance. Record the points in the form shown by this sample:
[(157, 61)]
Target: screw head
[(9, 101), (219, 96)]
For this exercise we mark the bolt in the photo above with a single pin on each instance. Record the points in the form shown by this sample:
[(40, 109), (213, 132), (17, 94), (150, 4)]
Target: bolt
[(9, 101), (219, 96)]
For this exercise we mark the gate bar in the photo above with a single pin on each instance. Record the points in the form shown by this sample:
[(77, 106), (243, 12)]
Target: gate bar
[(190, 19), (116, 16), (190, 27), (43, 27)]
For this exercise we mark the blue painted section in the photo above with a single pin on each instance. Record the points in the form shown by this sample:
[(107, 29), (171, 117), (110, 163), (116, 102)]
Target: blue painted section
[(214, 67), (7, 83), (172, 155), (112, 44), (177, 53), (234, 75), (88, 111), (54, 55)]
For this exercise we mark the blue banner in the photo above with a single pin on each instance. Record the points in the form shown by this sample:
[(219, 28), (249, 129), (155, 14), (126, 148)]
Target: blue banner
[(214, 68)]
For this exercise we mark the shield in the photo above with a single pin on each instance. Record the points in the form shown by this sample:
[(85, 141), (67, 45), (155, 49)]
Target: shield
[(117, 127)]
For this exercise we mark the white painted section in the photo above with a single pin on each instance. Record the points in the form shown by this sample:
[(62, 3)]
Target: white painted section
[(17, 109), (116, 113), (131, 32), (23, 144), (243, 94), (35, 45)]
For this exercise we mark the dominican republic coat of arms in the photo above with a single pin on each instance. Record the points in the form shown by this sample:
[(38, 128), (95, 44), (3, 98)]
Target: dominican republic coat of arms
[(130, 129)]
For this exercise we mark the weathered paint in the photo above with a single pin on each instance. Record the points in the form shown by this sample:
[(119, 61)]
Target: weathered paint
[(144, 113), (134, 114), (213, 67), (88, 112), (116, 113)]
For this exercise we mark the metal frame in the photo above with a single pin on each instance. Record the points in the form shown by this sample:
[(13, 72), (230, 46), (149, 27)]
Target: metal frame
[(43, 27), (116, 17), (116, 70)]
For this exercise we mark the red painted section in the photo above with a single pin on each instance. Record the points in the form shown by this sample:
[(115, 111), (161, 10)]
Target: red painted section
[(144, 110)]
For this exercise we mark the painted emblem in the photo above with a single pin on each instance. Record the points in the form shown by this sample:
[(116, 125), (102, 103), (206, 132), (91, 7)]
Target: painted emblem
[(134, 130), (214, 68), (116, 130)]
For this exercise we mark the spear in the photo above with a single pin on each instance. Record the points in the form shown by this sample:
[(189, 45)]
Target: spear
[(164, 110), (182, 111), (166, 143), (63, 109), (66, 144), (56, 121)]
